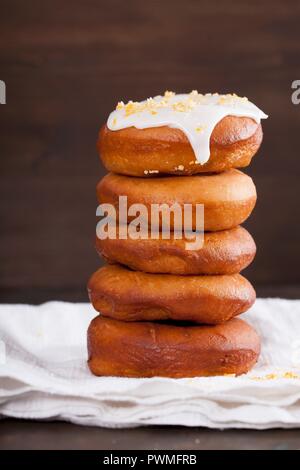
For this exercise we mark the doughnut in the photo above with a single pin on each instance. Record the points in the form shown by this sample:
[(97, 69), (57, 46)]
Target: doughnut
[(228, 197), (224, 252), (166, 150), (148, 349), (120, 293)]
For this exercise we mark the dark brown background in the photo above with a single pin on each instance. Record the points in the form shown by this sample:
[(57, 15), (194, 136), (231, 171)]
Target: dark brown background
[(67, 63)]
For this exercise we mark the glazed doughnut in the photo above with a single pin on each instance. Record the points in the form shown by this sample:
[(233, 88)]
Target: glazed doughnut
[(224, 252), (228, 197), (166, 150), (120, 293), (152, 349)]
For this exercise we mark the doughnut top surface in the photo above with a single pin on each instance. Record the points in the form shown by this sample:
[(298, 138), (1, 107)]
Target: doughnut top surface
[(195, 114)]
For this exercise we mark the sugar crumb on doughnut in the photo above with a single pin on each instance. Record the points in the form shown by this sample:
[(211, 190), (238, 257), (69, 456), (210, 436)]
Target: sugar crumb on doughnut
[(145, 349), (199, 299)]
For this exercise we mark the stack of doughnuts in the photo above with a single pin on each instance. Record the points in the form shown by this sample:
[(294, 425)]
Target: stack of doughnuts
[(166, 310)]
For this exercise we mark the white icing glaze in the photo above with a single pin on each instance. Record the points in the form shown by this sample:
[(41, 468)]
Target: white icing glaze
[(195, 114)]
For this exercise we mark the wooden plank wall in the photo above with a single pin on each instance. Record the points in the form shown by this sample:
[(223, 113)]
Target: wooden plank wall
[(66, 64)]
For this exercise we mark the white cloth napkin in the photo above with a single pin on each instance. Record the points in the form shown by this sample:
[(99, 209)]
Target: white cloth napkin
[(43, 375)]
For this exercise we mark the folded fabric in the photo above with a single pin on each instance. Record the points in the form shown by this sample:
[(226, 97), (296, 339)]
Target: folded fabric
[(43, 375)]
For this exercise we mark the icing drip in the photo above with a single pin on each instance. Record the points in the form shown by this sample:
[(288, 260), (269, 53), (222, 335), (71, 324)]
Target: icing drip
[(193, 113)]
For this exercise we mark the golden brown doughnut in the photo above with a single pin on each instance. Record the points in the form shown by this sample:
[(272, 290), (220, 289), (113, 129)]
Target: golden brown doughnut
[(224, 252), (120, 293), (228, 197), (167, 150), (152, 349)]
